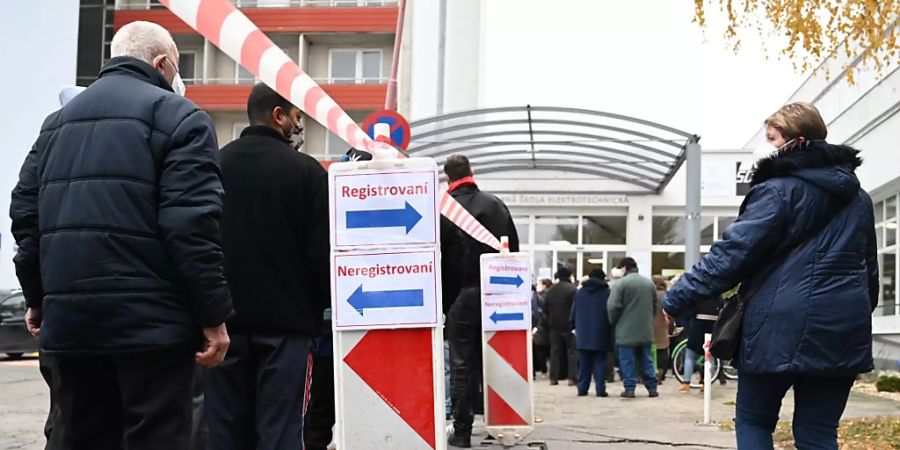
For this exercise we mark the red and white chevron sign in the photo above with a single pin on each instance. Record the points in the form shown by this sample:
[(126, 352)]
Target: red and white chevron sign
[(507, 379), (232, 32)]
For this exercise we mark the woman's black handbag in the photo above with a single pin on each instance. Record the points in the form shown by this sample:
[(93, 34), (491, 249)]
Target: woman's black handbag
[(726, 334)]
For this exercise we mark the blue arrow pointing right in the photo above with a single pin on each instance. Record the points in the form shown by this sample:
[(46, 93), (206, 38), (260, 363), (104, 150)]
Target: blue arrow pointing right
[(512, 281), (407, 217), (500, 317)]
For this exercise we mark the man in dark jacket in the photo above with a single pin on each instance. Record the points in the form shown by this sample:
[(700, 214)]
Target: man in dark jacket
[(116, 215), (632, 310), (590, 320), (461, 256), (276, 242), (557, 308)]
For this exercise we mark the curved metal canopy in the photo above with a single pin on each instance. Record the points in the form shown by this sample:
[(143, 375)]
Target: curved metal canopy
[(644, 155)]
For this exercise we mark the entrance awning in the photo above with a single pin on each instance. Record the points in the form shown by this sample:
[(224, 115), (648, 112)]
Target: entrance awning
[(631, 156)]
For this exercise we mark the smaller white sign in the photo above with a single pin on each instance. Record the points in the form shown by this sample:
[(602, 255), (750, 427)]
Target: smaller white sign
[(385, 290), (503, 274), (505, 312)]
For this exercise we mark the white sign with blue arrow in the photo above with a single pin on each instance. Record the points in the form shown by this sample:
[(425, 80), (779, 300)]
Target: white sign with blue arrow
[(373, 207), (505, 291), (503, 274), (505, 312), (386, 290)]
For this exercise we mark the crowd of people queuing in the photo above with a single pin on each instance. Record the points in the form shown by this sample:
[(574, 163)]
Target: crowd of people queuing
[(127, 210)]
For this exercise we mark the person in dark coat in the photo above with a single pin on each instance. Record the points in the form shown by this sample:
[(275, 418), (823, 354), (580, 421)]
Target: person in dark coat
[(116, 214), (276, 240), (809, 325), (557, 309), (590, 321), (700, 321), (541, 340), (461, 255)]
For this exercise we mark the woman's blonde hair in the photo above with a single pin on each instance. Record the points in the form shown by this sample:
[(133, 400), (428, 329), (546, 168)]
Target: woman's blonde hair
[(660, 282), (799, 119)]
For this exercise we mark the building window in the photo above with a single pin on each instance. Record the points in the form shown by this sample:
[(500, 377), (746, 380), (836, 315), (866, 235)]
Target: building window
[(242, 75), (523, 226), (610, 230), (238, 128), (187, 67), (668, 230), (560, 231), (355, 66), (890, 221), (723, 223), (888, 269)]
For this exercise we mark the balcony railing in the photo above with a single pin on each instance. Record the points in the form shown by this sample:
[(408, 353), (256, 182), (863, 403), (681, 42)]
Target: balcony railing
[(235, 81), (152, 4)]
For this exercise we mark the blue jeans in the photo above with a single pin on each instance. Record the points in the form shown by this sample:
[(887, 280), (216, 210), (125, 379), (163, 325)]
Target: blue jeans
[(819, 404), (690, 358), (448, 405), (629, 371), (591, 361)]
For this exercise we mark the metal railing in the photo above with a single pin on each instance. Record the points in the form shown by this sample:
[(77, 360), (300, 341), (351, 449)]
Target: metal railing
[(154, 4)]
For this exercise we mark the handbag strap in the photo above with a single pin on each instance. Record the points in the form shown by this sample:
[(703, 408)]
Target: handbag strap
[(788, 251)]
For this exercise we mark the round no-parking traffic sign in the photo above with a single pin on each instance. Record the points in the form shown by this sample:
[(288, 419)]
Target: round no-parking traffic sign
[(400, 133)]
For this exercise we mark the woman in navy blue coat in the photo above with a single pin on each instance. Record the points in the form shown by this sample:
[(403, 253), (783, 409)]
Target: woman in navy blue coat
[(809, 324), (593, 334)]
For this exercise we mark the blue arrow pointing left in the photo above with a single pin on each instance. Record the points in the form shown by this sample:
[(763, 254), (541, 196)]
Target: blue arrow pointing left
[(362, 300), (513, 281), (407, 217), (500, 317)]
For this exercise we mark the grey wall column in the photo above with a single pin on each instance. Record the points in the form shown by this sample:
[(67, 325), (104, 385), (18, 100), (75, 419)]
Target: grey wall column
[(692, 226)]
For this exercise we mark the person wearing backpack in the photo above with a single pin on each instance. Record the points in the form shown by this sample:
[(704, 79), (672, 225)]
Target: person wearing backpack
[(804, 246)]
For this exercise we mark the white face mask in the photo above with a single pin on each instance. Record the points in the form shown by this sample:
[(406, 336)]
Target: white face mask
[(178, 85), (767, 149)]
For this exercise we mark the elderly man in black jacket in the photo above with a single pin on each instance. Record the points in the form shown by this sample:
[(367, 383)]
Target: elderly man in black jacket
[(460, 268), (116, 215), (275, 235)]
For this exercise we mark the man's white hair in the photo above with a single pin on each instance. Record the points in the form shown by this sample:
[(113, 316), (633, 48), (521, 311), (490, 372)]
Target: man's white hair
[(144, 41)]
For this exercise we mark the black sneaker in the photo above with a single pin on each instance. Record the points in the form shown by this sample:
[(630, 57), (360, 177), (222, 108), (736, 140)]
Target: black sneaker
[(654, 394), (459, 440), (602, 394), (627, 394), (582, 394)]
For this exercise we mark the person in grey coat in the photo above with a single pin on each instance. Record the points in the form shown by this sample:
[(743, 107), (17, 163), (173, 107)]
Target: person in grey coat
[(632, 308)]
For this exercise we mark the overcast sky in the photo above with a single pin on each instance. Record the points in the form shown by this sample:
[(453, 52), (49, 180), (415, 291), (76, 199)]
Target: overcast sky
[(643, 58)]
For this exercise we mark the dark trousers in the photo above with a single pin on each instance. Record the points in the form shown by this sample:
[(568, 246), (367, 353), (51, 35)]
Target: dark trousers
[(540, 354), (139, 400), (662, 362), (320, 414), (254, 400), (629, 357), (591, 362), (562, 351), (818, 405), (48, 369), (200, 430), (464, 329)]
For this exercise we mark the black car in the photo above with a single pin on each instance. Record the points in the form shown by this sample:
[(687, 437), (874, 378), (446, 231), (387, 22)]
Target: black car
[(14, 337)]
